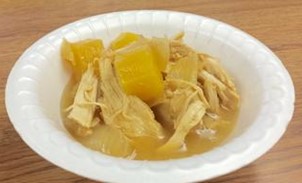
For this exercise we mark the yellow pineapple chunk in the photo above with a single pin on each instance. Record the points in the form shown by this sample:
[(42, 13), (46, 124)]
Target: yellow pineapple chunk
[(138, 73), (82, 53), (123, 40)]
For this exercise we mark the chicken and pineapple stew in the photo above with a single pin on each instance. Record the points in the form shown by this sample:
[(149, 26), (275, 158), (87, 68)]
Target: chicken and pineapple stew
[(146, 98)]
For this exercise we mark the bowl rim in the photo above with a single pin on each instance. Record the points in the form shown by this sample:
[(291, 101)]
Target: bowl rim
[(163, 169)]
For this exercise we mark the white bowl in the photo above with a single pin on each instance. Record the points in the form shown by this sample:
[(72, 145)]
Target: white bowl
[(36, 82)]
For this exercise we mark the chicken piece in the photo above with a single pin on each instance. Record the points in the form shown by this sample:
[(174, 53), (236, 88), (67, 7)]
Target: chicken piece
[(191, 117), (178, 95), (217, 84), (210, 91), (183, 109), (125, 112), (213, 67), (218, 93), (179, 50), (82, 109)]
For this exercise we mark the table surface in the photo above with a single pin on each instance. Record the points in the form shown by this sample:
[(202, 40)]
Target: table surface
[(278, 24)]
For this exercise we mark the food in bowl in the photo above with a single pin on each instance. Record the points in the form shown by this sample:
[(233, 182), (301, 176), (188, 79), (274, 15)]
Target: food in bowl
[(146, 98)]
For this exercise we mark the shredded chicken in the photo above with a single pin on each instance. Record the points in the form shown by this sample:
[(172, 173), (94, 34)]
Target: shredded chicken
[(184, 107), (181, 75), (178, 95), (212, 66), (178, 50), (210, 91), (218, 93), (125, 112), (190, 118), (82, 111)]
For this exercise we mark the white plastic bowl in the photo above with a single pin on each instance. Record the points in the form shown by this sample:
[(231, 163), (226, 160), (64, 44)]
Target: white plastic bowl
[(36, 82)]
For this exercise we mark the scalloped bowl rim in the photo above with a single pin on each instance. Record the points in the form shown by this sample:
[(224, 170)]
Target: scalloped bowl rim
[(219, 161)]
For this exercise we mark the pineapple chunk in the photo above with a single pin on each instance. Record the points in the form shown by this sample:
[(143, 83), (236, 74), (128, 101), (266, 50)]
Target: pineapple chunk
[(82, 53), (138, 73), (123, 40), (82, 110), (161, 51)]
